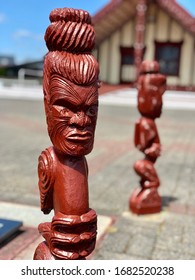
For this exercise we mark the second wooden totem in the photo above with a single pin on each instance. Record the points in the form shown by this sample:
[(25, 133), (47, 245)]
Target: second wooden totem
[(70, 85), (151, 86)]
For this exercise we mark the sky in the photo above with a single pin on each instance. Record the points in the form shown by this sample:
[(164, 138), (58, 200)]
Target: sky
[(23, 24)]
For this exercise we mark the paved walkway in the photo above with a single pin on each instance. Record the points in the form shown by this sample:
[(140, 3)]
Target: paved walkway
[(167, 235)]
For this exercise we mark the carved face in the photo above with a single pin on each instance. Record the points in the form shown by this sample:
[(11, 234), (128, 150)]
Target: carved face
[(72, 116)]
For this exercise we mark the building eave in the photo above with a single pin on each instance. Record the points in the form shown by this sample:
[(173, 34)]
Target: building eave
[(117, 12), (112, 17), (179, 14)]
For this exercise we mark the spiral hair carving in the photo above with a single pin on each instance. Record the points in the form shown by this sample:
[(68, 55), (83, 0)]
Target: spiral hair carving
[(70, 30), (70, 38)]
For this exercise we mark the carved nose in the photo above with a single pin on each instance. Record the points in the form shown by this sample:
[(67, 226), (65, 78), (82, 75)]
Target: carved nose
[(80, 119)]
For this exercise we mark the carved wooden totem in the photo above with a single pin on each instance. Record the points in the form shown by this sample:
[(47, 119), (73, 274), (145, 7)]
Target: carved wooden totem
[(70, 85), (151, 86)]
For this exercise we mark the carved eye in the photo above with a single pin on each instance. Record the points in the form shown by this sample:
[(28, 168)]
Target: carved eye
[(64, 107), (64, 110), (60, 110), (92, 111)]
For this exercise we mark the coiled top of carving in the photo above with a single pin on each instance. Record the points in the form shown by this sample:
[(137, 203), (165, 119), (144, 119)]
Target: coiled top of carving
[(70, 30), (69, 14)]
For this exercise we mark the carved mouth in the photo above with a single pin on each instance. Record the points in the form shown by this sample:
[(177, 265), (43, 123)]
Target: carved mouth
[(80, 136)]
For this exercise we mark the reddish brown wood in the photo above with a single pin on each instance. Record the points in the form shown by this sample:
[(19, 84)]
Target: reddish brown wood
[(70, 87), (139, 46), (151, 86)]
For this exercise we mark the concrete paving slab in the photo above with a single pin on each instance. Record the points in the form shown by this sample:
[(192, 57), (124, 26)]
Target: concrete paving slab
[(155, 218)]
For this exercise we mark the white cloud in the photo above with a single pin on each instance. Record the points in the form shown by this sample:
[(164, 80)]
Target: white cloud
[(22, 33), (26, 34), (2, 17)]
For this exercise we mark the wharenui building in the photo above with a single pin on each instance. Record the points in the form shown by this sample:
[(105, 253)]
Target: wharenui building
[(129, 31)]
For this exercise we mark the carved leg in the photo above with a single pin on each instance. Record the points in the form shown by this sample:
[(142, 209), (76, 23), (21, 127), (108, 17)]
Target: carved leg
[(145, 199), (42, 252)]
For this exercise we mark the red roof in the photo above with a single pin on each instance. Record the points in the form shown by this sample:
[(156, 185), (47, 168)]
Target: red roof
[(179, 13), (117, 12), (113, 4)]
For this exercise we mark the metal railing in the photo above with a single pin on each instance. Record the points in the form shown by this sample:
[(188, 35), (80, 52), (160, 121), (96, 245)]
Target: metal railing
[(9, 82)]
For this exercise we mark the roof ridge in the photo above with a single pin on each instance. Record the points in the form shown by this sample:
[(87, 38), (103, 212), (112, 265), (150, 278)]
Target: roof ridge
[(179, 12), (106, 9)]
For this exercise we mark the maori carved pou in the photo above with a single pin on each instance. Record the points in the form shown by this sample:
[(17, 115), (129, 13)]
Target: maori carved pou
[(70, 85), (151, 86)]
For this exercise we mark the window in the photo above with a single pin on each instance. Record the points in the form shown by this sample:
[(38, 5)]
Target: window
[(128, 67), (127, 55), (168, 56)]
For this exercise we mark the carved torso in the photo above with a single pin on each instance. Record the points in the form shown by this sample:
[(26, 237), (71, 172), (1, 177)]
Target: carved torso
[(70, 176), (71, 182), (147, 138)]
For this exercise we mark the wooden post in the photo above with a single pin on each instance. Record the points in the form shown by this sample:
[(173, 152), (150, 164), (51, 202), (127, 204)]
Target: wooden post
[(141, 9), (70, 85), (151, 86)]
